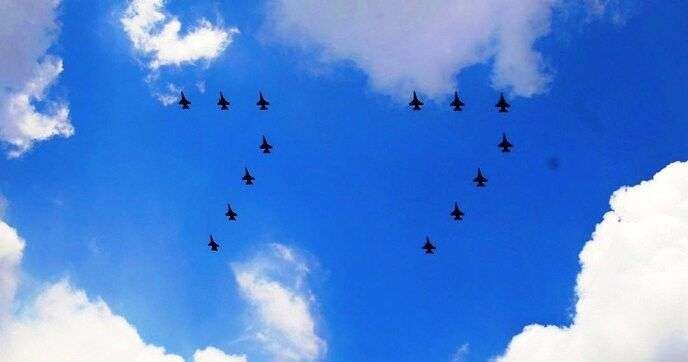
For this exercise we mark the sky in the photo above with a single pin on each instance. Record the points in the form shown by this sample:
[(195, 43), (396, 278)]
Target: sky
[(577, 249)]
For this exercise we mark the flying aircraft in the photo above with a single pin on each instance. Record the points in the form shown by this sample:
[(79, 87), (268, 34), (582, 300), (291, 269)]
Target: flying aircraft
[(505, 145), (428, 247), (265, 146), (415, 102), (480, 180), (457, 213), (262, 102), (457, 103), (184, 102), (213, 245), (247, 177), (502, 104), (223, 103), (231, 215)]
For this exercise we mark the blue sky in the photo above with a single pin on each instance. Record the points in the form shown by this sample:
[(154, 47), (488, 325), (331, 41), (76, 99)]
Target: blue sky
[(123, 207)]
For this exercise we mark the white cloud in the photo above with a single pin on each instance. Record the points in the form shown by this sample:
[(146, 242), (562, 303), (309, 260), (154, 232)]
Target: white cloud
[(11, 250), (29, 28), (212, 354), (424, 44), (274, 284), (63, 324), (158, 35), (633, 286)]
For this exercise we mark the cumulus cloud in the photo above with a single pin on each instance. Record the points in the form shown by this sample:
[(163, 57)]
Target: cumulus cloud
[(631, 290), (274, 284), (11, 251), (28, 72), (425, 44), (212, 354), (158, 35), (63, 324)]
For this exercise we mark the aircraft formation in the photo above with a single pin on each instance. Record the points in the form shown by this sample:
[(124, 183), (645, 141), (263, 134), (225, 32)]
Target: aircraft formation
[(480, 180), (415, 104)]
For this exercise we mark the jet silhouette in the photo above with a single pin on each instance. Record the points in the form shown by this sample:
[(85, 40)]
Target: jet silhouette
[(480, 180), (265, 146), (231, 215), (184, 102), (213, 245), (247, 177), (428, 247), (262, 102), (457, 213), (505, 145), (457, 103), (223, 103), (415, 102), (502, 104)]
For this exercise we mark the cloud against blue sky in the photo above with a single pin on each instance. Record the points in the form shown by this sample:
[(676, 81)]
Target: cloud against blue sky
[(274, 282), (158, 35), (61, 323), (632, 273), (118, 269), (424, 45), (28, 72)]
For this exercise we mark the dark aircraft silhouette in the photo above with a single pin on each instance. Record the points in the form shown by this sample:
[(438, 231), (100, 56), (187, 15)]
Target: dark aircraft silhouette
[(223, 103), (428, 247), (457, 103), (415, 102), (480, 180), (231, 215), (262, 102), (184, 102), (457, 213), (502, 104), (265, 146), (505, 145), (247, 177), (213, 245)]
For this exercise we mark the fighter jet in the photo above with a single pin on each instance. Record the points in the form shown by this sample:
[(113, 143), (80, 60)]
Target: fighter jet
[(214, 247), (505, 145), (231, 215), (502, 104), (457, 103), (184, 102), (457, 213), (262, 102), (480, 180), (428, 247), (223, 103), (265, 146), (247, 177), (415, 102)]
